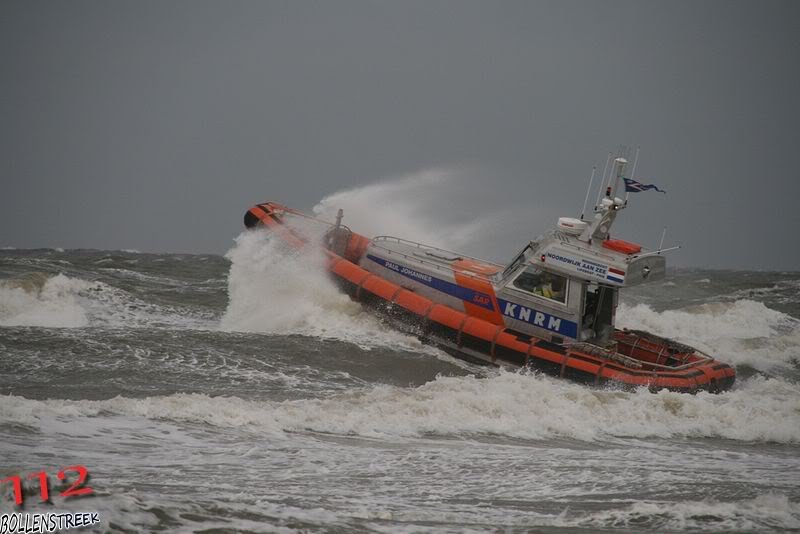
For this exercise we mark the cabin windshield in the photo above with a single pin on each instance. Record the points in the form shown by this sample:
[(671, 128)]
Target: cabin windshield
[(542, 283)]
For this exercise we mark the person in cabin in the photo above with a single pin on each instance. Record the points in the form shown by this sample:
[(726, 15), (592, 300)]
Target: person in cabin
[(551, 287)]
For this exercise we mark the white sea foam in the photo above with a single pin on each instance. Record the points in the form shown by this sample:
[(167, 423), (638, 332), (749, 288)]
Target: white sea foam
[(60, 301), (740, 332), (768, 511), (438, 207), (276, 291), (508, 404), (43, 301)]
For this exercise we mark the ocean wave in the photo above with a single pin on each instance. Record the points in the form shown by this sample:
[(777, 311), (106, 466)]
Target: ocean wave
[(763, 513), (42, 300), (779, 292), (58, 301), (740, 332), (508, 404)]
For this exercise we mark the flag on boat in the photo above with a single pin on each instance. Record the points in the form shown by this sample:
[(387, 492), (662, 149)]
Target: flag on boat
[(632, 186)]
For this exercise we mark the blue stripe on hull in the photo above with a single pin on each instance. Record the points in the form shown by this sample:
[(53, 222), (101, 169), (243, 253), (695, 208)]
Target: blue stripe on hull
[(454, 290)]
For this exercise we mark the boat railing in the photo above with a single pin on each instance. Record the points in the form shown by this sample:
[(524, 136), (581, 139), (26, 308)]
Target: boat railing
[(277, 208), (664, 346), (376, 241), (636, 363), (596, 350)]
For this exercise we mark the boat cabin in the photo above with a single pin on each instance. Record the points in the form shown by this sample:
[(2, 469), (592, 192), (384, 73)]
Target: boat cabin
[(561, 289)]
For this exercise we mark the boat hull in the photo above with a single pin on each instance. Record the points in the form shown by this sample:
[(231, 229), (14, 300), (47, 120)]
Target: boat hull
[(477, 339)]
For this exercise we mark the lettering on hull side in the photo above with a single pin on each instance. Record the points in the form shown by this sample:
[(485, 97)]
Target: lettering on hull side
[(449, 288), (538, 318)]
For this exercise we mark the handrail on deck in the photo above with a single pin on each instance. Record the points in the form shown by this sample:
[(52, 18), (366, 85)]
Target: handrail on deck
[(431, 247), (436, 265), (633, 362)]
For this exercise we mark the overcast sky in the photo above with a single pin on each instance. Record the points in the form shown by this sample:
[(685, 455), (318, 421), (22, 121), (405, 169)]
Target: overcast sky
[(154, 125)]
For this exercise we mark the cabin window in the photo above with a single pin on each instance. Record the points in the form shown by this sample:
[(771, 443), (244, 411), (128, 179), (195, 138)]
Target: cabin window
[(542, 284)]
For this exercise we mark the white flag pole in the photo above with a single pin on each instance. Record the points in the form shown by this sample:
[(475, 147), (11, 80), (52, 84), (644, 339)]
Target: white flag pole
[(589, 190), (633, 173)]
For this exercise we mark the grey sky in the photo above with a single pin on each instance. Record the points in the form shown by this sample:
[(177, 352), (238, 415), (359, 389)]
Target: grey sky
[(154, 125)]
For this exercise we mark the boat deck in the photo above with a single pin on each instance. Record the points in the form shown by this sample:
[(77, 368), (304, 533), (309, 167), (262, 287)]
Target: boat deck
[(434, 257)]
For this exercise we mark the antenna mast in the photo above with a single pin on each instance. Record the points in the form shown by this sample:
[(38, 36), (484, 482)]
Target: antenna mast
[(633, 173), (589, 190), (614, 179), (620, 165), (602, 181)]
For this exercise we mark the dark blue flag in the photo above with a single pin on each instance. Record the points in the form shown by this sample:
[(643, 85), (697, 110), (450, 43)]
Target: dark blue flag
[(632, 186)]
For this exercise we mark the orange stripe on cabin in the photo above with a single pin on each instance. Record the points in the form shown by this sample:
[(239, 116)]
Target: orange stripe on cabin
[(473, 275)]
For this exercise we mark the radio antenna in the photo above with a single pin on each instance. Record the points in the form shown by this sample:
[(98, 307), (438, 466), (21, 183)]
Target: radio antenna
[(589, 190), (602, 181)]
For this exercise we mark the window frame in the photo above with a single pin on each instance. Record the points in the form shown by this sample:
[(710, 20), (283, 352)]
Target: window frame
[(518, 261), (513, 286)]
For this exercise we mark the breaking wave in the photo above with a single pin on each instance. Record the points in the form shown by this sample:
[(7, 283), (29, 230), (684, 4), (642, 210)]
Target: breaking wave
[(741, 332), (44, 301), (275, 291), (59, 301), (507, 404)]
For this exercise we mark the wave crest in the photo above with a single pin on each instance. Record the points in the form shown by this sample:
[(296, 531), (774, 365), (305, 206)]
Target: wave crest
[(45, 301), (59, 301), (508, 404), (740, 332), (275, 291)]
